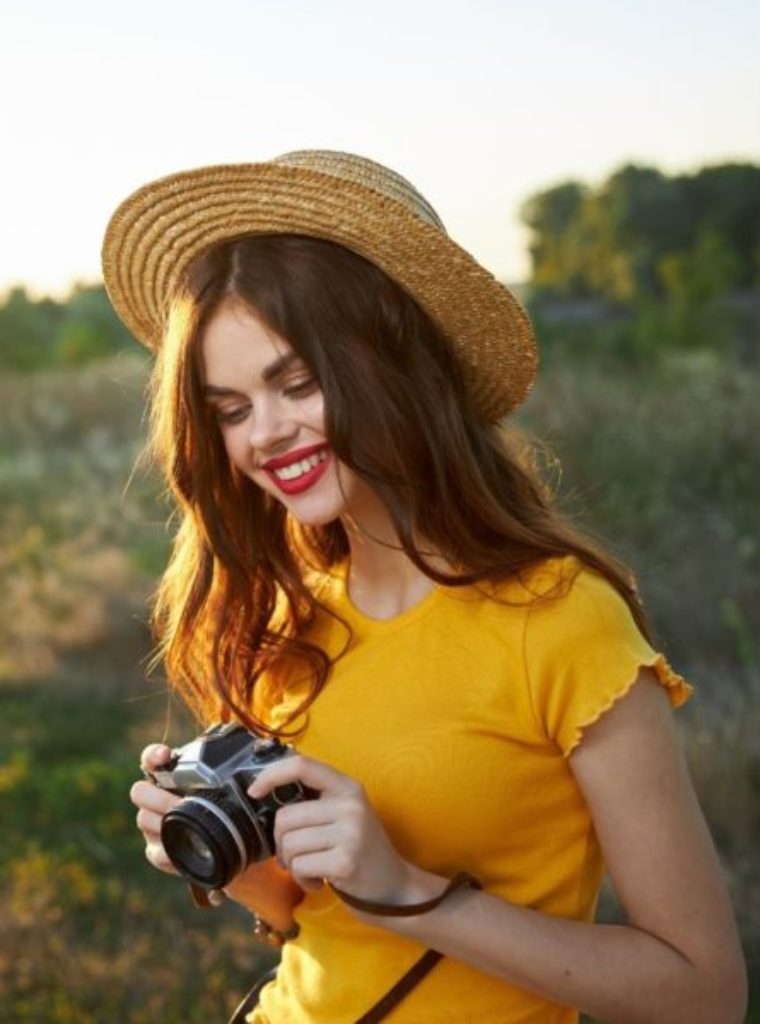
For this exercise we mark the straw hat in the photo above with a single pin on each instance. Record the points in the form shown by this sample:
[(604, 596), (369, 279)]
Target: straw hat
[(162, 227)]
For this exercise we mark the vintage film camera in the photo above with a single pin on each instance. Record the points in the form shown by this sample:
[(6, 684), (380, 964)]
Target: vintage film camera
[(217, 830)]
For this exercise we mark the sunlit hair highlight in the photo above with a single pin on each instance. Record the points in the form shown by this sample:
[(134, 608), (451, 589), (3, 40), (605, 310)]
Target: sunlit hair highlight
[(234, 605)]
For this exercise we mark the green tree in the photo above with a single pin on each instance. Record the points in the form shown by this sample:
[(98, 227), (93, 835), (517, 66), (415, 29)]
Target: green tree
[(702, 273), (27, 330), (696, 282), (90, 329), (636, 217), (640, 234), (725, 201), (45, 333), (553, 216)]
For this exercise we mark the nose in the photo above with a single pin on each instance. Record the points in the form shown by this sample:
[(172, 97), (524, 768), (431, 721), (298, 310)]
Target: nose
[(272, 427)]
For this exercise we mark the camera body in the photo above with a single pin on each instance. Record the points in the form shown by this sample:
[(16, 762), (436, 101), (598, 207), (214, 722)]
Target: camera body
[(217, 829)]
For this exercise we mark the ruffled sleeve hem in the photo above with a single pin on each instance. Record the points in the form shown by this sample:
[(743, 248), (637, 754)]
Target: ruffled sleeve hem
[(676, 687)]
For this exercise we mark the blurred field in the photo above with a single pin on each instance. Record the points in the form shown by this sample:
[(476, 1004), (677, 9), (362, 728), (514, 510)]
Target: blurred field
[(89, 933), (659, 454)]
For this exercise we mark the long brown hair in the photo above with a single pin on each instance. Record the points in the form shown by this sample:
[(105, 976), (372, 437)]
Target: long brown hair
[(234, 599)]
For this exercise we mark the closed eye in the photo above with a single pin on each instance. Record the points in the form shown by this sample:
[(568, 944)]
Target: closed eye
[(303, 387), (236, 415)]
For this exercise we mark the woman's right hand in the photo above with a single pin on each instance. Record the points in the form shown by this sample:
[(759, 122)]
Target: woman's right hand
[(153, 803), (264, 887)]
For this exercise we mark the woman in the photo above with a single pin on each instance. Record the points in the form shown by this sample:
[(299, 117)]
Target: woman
[(367, 565)]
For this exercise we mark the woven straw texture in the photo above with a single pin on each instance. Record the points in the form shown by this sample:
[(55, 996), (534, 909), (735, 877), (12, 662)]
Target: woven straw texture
[(161, 228)]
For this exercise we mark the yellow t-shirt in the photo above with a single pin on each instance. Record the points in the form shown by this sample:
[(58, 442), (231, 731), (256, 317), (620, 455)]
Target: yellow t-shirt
[(458, 717)]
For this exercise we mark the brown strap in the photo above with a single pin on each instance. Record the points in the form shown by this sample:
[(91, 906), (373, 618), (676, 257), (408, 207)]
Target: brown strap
[(200, 897), (402, 987), (427, 961), (407, 910), (240, 1016)]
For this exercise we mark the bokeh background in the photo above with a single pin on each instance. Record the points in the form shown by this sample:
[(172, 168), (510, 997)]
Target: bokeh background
[(602, 158)]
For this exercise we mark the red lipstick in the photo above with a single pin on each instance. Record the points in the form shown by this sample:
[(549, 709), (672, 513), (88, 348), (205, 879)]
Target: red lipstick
[(294, 456), (305, 479)]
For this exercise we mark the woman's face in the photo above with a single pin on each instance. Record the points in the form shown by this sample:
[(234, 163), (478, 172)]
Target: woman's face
[(270, 412)]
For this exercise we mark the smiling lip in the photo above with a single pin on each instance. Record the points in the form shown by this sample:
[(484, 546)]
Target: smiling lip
[(291, 457), (305, 480)]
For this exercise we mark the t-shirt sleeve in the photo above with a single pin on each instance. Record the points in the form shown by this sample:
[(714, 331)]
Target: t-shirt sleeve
[(583, 652)]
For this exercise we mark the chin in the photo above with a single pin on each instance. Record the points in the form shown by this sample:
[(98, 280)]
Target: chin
[(320, 514), (313, 521), (314, 512), (324, 504)]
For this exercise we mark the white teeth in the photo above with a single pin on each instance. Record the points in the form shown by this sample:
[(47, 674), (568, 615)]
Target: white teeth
[(296, 469)]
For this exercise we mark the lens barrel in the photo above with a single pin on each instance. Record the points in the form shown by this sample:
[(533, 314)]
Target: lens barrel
[(209, 839)]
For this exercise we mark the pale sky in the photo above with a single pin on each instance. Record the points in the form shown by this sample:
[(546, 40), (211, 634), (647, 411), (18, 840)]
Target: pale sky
[(478, 103)]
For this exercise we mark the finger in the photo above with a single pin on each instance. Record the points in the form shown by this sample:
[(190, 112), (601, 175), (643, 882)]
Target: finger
[(329, 865), (144, 794), (305, 840), (304, 814), (156, 855), (311, 884), (149, 824), (153, 756), (297, 768)]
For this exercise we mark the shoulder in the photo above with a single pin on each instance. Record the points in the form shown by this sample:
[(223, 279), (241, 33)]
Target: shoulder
[(583, 651), (573, 605), (562, 598)]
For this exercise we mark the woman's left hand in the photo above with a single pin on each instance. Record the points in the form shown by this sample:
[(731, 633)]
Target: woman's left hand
[(337, 837)]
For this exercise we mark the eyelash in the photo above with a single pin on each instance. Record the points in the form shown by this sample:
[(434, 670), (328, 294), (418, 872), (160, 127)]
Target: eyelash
[(302, 388), (234, 416), (238, 415)]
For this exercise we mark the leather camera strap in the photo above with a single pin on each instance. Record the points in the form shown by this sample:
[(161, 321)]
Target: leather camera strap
[(426, 962), (403, 986), (406, 909)]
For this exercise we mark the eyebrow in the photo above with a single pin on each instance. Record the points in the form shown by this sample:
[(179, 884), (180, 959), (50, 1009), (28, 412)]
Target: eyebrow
[(268, 374)]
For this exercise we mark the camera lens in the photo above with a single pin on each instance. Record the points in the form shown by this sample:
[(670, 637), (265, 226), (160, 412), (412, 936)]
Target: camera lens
[(193, 849), (209, 840)]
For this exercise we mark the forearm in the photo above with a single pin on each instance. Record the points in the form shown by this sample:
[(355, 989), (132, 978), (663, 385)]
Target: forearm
[(269, 891), (618, 974)]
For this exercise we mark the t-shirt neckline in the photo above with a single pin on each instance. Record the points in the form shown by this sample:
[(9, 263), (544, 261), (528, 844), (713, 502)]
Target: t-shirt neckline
[(366, 622)]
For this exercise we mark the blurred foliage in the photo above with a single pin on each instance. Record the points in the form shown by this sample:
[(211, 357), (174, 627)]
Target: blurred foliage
[(44, 333), (89, 931), (642, 235), (650, 245)]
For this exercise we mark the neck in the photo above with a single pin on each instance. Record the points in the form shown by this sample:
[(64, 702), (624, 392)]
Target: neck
[(383, 581)]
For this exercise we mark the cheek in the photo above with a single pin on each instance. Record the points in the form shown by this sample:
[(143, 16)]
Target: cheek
[(349, 483), (235, 446), (313, 412)]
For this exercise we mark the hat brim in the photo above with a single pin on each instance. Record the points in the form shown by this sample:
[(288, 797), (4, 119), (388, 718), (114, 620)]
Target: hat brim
[(157, 232)]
